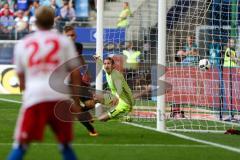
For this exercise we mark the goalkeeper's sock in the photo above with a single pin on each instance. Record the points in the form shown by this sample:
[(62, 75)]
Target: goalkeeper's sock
[(17, 152), (67, 152)]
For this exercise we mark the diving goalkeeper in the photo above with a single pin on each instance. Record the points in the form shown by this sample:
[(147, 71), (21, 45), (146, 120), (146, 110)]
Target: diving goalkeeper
[(121, 97)]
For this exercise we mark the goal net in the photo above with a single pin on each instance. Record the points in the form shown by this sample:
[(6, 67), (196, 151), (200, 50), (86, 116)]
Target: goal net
[(195, 100), (203, 99), (130, 37)]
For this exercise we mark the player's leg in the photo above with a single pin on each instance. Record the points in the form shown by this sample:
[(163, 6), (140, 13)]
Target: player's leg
[(112, 114), (26, 130), (18, 151), (90, 128), (104, 117), (67, 151), (119, 111), (88, 104), (85, 118), (62, 128)]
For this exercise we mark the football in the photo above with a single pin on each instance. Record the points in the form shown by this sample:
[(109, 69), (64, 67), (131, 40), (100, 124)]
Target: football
[(204, 64)]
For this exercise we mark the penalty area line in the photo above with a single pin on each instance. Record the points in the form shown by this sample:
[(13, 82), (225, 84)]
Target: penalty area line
[(229, 148), (9, 100)]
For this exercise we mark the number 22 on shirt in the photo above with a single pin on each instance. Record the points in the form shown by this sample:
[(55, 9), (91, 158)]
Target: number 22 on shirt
[(48, 58)]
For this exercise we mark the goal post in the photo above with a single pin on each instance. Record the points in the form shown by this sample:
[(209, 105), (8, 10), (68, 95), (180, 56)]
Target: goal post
[(99, 49), (161, 56)]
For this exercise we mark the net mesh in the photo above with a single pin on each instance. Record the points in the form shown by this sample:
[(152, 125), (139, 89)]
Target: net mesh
[(130, 38), (203, 99), (196, 99)]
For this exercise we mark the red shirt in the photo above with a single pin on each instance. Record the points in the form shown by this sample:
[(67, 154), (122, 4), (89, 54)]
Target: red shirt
[(11, 13)]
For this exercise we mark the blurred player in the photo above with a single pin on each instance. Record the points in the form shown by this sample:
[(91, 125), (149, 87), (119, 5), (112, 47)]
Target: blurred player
[(36, 57), (86, 99), (122, 97)]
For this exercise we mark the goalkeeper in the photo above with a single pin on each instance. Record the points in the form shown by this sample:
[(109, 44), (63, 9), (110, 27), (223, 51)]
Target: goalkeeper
[(121, 97)]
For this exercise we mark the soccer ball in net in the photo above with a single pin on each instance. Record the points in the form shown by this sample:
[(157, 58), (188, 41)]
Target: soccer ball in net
[(204, 64)]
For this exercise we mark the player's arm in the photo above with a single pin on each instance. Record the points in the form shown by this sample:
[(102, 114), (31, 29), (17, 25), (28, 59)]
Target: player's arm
[(82, 60), (99, 63), (106, 98), (86, 76), (231, 54), (79, 48), (75, 83), (233, 57), (21, 77), (19, 65)]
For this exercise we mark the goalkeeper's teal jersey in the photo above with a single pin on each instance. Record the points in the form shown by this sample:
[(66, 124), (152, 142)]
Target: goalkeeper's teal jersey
[(119, 87)]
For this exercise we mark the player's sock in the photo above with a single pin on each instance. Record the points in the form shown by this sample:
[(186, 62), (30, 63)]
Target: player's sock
[(17, 152), (89, 126), (67, 152)]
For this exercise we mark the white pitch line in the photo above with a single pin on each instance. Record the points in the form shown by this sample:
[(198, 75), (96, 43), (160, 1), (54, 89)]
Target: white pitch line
[(233, 149), (9, 100), (119, 145)]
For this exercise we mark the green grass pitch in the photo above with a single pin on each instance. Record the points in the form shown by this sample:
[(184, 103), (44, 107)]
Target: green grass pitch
[(117, 141)]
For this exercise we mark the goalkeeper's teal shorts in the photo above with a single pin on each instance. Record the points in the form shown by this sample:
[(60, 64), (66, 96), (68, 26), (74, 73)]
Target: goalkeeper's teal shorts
[(120, 110)]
